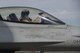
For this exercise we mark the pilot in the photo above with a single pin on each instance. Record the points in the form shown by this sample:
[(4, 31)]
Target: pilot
[(25, 16), (12, 17), (40, 18), (1, 17)]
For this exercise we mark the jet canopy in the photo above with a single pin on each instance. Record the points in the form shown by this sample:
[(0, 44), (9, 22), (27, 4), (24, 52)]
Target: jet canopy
[(27, 15)]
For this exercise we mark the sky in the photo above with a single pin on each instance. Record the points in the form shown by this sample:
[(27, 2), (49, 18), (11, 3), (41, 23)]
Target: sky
[(66, 10)]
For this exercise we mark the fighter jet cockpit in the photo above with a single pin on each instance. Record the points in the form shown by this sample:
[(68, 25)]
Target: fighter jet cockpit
[(27, 15)]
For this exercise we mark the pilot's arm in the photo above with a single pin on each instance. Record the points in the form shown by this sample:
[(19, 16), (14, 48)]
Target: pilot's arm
[(37, 20)]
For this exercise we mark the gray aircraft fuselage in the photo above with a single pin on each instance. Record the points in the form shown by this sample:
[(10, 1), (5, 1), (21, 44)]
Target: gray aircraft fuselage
[(16, 35)]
